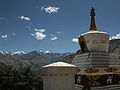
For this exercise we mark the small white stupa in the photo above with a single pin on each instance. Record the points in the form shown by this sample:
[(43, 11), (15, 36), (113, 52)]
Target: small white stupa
[(59, 76)]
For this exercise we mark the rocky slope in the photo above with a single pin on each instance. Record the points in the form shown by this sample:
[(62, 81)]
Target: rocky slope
[(115, 46), (9, 60)]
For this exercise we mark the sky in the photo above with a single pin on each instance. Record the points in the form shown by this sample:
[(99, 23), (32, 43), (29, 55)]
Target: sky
[(28, 25)]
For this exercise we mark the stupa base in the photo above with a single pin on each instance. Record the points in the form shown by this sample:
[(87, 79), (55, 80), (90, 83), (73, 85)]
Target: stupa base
[(108, 87), (97, 80), (97, 69)]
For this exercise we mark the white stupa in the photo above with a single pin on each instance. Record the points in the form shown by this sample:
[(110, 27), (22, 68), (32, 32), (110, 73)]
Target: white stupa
[(98, 67), (94, 41)]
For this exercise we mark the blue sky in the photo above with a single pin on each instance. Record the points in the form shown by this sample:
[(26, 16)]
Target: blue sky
[(27, 25)]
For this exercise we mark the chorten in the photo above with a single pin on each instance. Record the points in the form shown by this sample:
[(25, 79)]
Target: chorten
[(94, 41), (98, 67)]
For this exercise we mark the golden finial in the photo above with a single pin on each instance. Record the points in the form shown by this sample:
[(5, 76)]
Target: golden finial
[(92, 24)]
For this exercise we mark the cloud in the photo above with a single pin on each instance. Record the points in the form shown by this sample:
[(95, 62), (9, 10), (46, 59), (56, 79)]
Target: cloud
[(50, 9), (39, 35), (40, 30), (75, 40), (8, 35), (117, 36), (53, 37), (24, 18), (4, 36), (59, 32)]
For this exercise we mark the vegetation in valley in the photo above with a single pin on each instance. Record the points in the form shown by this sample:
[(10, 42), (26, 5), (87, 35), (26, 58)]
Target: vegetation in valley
[(23, 78)]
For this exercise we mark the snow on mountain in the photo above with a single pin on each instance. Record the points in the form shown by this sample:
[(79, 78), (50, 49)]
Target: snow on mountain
[(19, 52), (4, 52), (39, 52), (45, 52), (12, 53)]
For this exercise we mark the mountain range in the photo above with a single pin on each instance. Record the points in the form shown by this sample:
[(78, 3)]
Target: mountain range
[(34, 59)]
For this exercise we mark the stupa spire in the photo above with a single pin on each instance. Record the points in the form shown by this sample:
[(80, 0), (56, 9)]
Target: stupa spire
[(92, 23)]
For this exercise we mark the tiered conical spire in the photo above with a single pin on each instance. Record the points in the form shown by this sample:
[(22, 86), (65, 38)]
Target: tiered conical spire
[(92, 24)]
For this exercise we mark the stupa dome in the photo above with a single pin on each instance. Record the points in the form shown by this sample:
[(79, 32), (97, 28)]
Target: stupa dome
[(94, 41)]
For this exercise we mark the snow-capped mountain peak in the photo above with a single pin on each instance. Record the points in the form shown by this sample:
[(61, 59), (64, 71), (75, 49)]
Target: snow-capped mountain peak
[(4, 52), (44, 52), (40, 52), (47, 51), (19, 52)]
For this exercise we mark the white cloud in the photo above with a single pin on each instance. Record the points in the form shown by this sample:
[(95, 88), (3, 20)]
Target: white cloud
[(4, 36), (40, 30), (39, 35), (24, 18), (53, 37), (32, 34), (59, 32), (50, 9), (117, 36), (75, 40)]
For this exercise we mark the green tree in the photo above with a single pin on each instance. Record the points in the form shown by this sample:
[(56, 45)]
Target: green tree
[(23, 78)]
